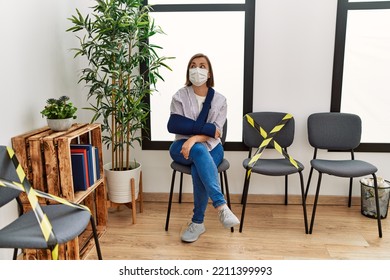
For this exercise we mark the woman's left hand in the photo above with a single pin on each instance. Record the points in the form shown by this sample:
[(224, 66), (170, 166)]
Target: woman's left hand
[(186, 148), (217, 134)]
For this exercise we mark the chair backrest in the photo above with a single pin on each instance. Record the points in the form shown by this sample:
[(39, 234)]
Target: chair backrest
[(7, 171), (268, 120), (223, 138), (334, 131)]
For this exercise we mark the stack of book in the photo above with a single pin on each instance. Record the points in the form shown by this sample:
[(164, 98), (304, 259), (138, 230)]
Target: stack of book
[(85, 166)]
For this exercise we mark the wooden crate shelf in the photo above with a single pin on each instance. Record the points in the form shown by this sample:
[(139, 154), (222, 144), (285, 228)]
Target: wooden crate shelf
[(46, 159)]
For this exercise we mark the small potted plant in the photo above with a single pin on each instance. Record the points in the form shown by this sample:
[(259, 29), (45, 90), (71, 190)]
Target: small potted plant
[(59, 113)]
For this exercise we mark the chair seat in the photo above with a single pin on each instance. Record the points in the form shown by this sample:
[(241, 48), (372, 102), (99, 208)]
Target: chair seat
[(344, 168), (7, 195), (68, 222), (273, 167), (186, 169)]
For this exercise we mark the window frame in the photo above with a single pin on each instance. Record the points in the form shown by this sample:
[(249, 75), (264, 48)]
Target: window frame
[(343, 6), (249, 8)]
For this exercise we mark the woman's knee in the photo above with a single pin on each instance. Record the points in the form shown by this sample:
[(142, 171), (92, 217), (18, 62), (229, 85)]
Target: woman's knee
[(175, 153), (198, 150), (175, 148)]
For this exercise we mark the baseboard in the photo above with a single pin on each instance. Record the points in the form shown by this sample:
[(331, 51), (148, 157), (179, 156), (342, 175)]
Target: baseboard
[(259, 199)]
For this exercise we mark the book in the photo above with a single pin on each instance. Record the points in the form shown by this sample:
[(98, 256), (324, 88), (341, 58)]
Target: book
[(97, 163), (79, 171), (94, 164), (86, 169), (89, 151)]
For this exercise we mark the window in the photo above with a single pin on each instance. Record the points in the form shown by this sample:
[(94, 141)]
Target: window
[(361, 77), (224, 31)]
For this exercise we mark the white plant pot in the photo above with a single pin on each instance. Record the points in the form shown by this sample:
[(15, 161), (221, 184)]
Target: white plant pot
[(119, 183), (60, 124)]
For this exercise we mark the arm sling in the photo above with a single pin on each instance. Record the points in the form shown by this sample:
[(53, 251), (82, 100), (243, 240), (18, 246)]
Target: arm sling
[(179, 124)]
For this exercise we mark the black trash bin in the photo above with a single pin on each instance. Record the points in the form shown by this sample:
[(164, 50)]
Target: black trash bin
[(368, 207)]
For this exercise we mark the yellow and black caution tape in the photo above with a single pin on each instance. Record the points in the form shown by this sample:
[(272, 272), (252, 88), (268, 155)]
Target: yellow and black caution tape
[(32, 195), (268, 138)]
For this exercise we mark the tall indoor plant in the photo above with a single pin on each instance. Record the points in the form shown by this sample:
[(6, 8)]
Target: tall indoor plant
[(122, 70)]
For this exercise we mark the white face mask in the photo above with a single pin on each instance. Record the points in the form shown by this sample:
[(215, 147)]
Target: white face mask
[(198, 76)]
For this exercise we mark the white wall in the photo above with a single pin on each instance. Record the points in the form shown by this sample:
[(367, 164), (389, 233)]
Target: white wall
[(36, 64), (293, 69)]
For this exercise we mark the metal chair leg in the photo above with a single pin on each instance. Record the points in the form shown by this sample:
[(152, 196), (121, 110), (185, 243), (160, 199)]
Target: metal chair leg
[(170, 200), (378, 213), (15, 256), (286, 190), (227, 194), (244, 199), (221, 180), (96, 237), (303, 202), (181, 187), (315, 203), (308, 181), (350, 192)]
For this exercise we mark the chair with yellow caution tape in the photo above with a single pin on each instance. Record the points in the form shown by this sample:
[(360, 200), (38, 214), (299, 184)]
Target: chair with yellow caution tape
[(45, 226), (264, 130)]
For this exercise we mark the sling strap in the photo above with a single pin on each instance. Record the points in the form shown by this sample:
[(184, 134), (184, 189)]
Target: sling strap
[(201, 120), (179, 124)]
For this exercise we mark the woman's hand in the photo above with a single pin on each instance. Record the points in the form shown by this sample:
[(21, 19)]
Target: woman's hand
[(217, 134), (186, 148)]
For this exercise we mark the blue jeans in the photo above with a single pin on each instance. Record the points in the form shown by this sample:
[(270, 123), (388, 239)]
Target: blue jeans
[(204, 174)]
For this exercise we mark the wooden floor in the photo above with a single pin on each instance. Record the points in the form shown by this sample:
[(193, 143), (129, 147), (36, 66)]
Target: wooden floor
[(272, 232)]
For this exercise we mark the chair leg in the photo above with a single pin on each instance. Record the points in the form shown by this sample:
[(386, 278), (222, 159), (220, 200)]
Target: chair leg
[(308, 182), (15, 256), (303, 202), (315, 203), (181, 187), (244, 199), (96, 237), (170, 200), (377, 206), (242, 195), (221, 180), (227, 193), (286, 190), (350, 192)]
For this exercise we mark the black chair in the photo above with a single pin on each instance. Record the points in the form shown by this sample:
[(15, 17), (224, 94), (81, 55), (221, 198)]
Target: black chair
[(45, 226), (262, 130), (338, 132), (185, 169)]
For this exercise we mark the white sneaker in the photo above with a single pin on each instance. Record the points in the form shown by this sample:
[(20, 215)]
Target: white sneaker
[(227, 218), (193, 232)]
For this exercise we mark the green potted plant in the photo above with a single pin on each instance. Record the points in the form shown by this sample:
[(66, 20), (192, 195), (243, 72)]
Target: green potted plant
[(59, 113), (122, 71)]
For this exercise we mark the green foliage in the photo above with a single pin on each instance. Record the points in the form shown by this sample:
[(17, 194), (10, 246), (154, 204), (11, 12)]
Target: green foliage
[(59, 108), (123, 68)]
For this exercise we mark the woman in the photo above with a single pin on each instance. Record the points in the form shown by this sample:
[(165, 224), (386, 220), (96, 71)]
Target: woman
[(198, 114)]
